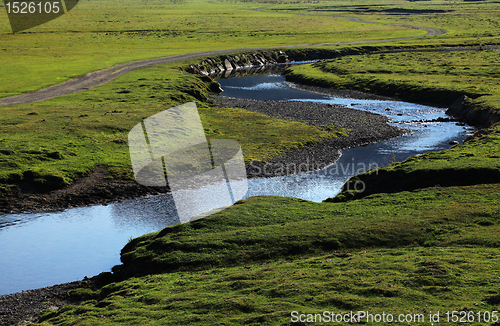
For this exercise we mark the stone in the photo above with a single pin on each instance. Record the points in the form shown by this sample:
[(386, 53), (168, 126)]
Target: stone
[(228, 65)]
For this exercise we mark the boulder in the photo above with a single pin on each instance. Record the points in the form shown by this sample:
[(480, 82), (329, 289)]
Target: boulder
[(227, 65)]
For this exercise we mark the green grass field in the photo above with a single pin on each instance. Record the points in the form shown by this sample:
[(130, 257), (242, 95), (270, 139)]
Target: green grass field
[(99, 34), (256, 262), (464, 21), (410, 251)]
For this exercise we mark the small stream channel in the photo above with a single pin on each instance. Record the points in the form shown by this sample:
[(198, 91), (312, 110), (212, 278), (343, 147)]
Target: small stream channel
[(42, 249)]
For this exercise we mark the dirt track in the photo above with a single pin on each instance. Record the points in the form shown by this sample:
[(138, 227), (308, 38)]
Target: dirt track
[(101, 77), (430, 31)]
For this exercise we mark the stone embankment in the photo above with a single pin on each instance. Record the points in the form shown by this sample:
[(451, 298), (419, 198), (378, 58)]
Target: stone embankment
[(225, 64)]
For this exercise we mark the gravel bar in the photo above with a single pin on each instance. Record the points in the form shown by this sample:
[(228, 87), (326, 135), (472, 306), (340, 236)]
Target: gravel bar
[(365, 128)]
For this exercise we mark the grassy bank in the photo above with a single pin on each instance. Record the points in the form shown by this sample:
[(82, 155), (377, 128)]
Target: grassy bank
[(256, 262), (431, 77), (50, 144), (425, 77), (474, 162)]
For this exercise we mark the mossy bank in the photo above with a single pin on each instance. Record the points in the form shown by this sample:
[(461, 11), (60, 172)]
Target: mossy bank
[(430, 77)]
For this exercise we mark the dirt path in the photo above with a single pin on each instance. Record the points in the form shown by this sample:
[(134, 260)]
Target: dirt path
[(430, 31), (101, 77)]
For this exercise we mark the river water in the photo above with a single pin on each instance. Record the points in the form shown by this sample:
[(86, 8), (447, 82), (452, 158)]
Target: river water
[(42, 249)]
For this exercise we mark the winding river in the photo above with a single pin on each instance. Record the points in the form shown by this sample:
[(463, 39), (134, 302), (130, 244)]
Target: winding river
[(42, 249)]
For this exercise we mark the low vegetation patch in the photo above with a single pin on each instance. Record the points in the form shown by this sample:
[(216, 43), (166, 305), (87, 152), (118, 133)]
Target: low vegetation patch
[(256, 262), (430, 77)]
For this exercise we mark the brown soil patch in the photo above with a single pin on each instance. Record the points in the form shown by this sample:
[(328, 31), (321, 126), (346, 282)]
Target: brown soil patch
[(95, 188)]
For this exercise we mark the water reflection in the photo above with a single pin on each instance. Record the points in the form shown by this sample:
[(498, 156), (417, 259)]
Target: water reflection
[(153, 212), (268, 87)]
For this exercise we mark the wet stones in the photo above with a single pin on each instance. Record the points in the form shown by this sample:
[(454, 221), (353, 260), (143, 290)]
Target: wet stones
[(222, 64)]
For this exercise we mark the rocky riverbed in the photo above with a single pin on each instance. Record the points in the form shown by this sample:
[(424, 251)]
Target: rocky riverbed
[(363, 128)]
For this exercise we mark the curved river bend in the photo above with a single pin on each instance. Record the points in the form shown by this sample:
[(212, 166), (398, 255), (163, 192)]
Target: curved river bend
[(42, 249)]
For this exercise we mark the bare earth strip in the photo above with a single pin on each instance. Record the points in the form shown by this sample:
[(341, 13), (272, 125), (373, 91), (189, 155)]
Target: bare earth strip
[(101, 77), (430, 31)]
